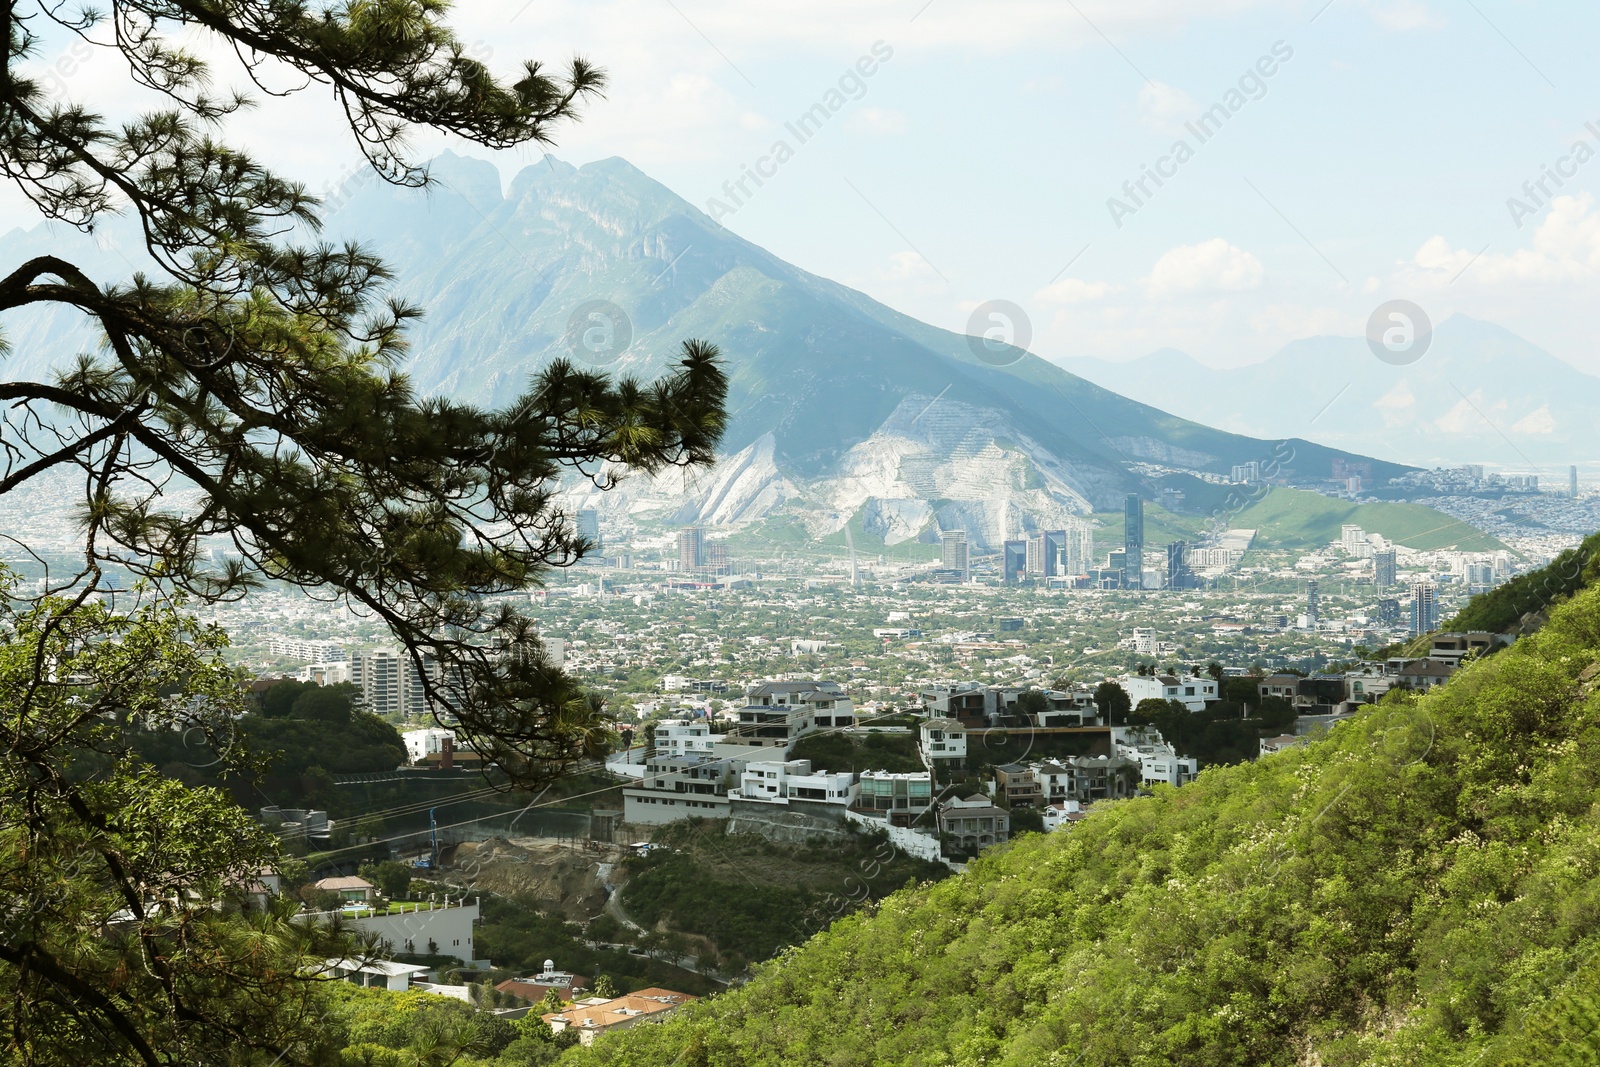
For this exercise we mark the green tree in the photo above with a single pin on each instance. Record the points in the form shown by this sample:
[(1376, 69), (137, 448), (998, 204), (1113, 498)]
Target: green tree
[(392, 877), (1113, 703), (604, 986), (257, 369), (260, 370), (126, 939)]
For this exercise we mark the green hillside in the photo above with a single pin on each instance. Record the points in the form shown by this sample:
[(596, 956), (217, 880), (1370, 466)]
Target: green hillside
[(1419, 887), (1296, 518)]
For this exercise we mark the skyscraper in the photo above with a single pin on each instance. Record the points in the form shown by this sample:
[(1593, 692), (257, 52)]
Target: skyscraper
[(1015, 561), (1313, 605), (1424, 608), (691, 549), (589, 527), (1133, 542), (1572, 481), (954, 546), (1177, 568), (1055, 552), (1383, 568)]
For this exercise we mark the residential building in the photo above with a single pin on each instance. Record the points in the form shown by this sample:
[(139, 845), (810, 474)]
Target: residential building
[(691, 549), (777, 714), (420, 744), (533, 989), (1062, 813), (1017, 783), (351, 890), (1158, 762), (902, 792), (779, 782), (679, 787), (953, 548), (682, 737), (588, 527), (301, 648), (973, 823), (1424, 674), (376, 974), (943, 739), (1270, 745), (1383, 568), (423, 929), (1193, 691), (1453, 647), (596, 1015), (1424, 608)]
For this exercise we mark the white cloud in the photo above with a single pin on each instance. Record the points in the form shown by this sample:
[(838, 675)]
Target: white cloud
[(1164, 109), (1402, 14), (1210, 265), (878, 120), (1565, 248), (1074, 291)]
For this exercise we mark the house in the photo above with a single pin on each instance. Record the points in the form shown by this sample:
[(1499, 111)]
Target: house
[(778, 782), (351, 890), (943, 739), (1452, 648), (973, 823), (533, 989), (596, 1015), (1282, 686), (777, 714), (1017, 783), (1062, 813), (679, 787), (899, 795), (1159, 763), (376, 974), (1193, 691), (1269, 745), (682, 737), (1424, 674)]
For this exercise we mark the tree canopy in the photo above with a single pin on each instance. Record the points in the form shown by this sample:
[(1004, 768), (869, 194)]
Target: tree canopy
[(258, 369)]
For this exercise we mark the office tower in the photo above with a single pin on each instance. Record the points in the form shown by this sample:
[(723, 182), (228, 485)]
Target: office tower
[(1015, 561), (1177, 568), (1383, 568), (1055, 552), (1033, 563), (1313, 605), (953, 544), (691, 549), (1424, 608), (1572, 481), (1133, 541), (589, 527), (1080, 549)]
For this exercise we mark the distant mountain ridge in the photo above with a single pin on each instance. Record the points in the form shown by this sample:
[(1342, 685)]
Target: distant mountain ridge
[(1479, 394), (839, 407)]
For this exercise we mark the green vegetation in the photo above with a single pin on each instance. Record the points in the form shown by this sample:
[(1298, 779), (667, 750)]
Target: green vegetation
[(1297, 518), (1419, 887), (376, 1028), (749, 896), (853, 752)]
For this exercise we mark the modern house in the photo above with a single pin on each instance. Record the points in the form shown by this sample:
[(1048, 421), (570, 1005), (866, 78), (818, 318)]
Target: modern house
[(973, 823), (679, 787), (899, 796), (779, 782), (1193, 691), (943, 739), (351, 890)]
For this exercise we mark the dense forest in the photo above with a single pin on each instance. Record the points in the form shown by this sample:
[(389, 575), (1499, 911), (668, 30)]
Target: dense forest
[(1419, 887)]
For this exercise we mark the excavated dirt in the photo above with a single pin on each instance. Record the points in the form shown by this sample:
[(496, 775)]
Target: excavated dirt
[(566, 878)]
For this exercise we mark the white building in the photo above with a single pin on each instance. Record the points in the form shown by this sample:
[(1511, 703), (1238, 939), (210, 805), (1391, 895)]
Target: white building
[(682, 737), (1191, 690), (1159, 763), (943, 739), (420, 744), (678, 787), (300, 648), (794, 780), (1061, 813)]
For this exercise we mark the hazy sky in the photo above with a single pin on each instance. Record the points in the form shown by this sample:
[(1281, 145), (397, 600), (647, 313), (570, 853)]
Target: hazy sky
[(1357, 151)]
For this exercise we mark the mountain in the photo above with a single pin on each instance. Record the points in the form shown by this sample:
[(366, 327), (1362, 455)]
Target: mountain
[(1417, 887), (840, 409), (1478, 394)]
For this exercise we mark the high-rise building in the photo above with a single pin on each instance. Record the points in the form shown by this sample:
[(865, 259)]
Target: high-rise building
[(1247, 473), (1177, 566), (1313, 605), (691, 549), (588, 524), (1015, 561), (1055, 553), (1133, 541), (1351, 535), (1572, 481), (715, 556), (1080, 549), (953, 544), (1033, 563), (1424, 608), (1383, 568)]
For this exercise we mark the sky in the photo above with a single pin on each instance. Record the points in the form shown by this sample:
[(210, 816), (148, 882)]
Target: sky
[(1220, 177)]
